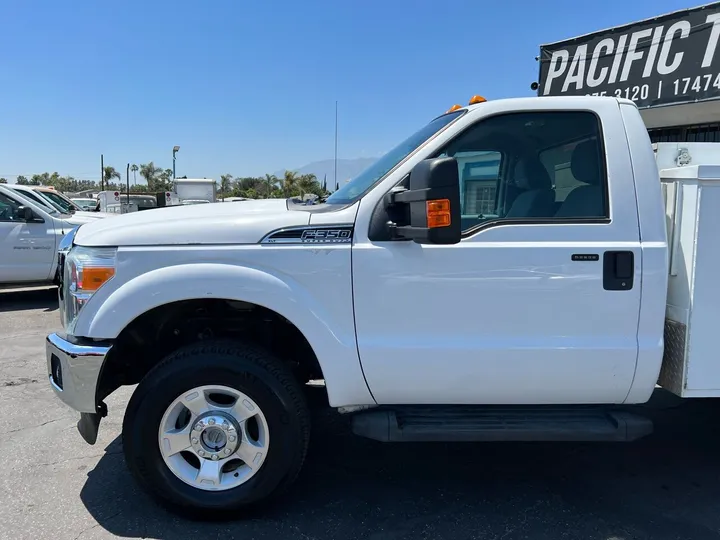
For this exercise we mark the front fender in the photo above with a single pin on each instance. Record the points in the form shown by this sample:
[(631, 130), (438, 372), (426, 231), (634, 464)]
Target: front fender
[(324, 316)]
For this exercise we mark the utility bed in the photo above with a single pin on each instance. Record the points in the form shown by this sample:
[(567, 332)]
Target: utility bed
[(692, 202)]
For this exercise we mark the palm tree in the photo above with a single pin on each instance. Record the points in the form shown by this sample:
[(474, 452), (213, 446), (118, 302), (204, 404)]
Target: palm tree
[(289, 182), (109, 173), (151, 174), (226, 181), (308, 184), (271, 180), (134, 168)]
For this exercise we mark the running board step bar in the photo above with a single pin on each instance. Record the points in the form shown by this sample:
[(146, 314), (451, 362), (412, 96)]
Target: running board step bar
[(499, 423)]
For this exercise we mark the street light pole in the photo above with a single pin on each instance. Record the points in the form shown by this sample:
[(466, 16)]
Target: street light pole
[(175, 151)]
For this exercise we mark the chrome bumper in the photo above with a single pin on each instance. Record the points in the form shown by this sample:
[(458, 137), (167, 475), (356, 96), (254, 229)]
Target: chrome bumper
[(74, 370)]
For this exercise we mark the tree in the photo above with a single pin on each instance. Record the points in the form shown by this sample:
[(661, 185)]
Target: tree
[(151, 174), (3, 181), (108, 174), (289, 183), (271, 182), (45, 179), (226, 185), (308, 184), (22, 181), (134, 168)]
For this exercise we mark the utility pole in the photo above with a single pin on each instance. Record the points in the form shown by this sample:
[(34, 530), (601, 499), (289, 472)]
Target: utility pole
[(336, 137), (102, 174)]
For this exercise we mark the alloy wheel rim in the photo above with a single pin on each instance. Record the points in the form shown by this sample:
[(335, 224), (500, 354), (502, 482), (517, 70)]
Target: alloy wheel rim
[(213, 437)]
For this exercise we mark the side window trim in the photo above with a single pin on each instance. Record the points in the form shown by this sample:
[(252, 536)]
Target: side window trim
[(491, 224)]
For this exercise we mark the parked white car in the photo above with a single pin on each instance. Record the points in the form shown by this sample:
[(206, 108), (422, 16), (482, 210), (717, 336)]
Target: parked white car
[(30, 233), (43, 198), (85, 203)]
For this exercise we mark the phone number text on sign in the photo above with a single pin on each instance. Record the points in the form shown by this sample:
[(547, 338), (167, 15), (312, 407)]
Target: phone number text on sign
[(687, 86)]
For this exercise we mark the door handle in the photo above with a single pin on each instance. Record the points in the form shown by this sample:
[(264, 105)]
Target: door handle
[(618, 270)]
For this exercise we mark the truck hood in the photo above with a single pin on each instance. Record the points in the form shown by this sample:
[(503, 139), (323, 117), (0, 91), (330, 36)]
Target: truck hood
[(244, 222)]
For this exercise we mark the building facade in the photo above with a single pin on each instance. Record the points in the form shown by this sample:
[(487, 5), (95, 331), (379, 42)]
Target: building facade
[(669, 65)]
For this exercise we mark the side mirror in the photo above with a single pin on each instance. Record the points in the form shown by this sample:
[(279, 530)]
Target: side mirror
[(431, 204), (26, 213)]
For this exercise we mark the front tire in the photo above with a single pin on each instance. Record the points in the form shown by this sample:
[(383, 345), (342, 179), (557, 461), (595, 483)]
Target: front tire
[(216, 429)]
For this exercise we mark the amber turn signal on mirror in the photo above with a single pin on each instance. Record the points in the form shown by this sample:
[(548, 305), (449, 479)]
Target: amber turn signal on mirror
[(438, 213)]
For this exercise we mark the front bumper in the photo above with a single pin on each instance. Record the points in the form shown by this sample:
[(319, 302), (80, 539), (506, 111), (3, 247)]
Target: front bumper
[(74, 369)]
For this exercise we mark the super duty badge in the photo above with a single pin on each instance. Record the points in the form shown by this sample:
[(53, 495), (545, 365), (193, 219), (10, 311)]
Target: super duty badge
[(324, 236)]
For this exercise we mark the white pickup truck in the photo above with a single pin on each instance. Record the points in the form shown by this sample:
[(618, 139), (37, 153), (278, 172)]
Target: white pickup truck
[(31, 228), (502, 274)]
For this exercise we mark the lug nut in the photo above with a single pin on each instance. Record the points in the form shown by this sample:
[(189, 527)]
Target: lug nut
[(215, 457), (199, 426), (201, 452), (227, 451), (232, 438), (211, 421), (194, 440), (225, 425)]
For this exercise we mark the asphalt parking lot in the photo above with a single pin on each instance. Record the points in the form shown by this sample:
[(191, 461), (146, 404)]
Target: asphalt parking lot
[(54, 485)]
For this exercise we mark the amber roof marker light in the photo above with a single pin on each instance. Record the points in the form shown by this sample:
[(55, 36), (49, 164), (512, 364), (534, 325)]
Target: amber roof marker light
[(477, 99), (453, 108)]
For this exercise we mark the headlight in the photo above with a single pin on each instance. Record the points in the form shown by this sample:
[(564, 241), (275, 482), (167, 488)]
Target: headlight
[(86, 270)]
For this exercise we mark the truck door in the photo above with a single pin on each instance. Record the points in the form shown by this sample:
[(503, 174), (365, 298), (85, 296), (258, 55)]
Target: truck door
[(27, 250), (539, 302)]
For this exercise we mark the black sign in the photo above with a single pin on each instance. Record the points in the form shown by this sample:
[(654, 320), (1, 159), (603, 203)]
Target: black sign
[(670, 59)]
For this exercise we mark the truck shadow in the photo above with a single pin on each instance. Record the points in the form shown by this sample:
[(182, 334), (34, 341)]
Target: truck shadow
[(664, 486), (27, 299)]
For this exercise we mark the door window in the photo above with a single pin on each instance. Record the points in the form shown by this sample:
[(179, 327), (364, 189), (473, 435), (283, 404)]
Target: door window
[(9, 209), (531, 166)]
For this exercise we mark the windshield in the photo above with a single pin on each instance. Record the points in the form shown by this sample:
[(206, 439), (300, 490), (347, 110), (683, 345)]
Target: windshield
[(60, 200), (359, 185), (46, 205)]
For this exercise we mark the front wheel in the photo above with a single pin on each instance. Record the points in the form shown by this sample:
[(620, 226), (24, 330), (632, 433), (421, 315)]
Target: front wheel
[(216, 429)]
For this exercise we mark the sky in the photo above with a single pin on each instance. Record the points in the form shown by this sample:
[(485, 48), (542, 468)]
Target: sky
[(249, 87)]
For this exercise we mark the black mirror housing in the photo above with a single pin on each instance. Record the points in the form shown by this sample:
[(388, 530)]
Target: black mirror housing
[(432, 203), (26, 213)]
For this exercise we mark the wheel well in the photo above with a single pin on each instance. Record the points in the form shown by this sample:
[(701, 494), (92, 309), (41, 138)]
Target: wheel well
[(155, 334)]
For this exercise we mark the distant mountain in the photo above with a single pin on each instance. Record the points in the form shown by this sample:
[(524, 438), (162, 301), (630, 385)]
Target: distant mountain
[(346, 169)]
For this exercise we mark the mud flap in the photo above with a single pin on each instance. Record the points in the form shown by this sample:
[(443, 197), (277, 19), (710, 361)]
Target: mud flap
[(89, 424)]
